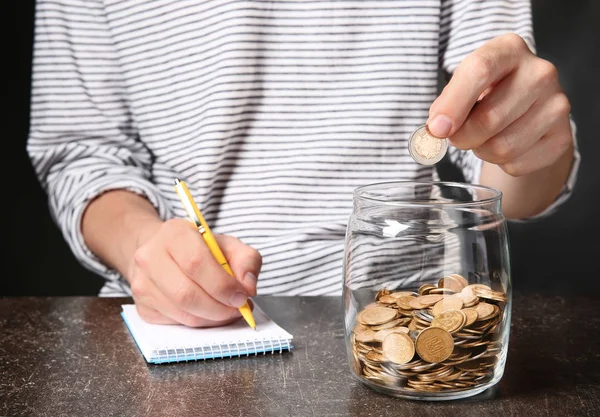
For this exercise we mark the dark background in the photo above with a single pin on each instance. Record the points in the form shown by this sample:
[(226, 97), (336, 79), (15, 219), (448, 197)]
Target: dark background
[(559, 253)]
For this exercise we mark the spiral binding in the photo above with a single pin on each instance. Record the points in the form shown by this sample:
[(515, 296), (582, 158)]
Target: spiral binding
[(243, 347)]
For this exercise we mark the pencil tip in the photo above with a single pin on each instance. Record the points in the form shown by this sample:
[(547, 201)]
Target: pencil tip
[(176, 181)]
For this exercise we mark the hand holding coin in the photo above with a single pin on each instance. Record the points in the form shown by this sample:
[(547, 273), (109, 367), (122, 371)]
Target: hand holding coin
[(521, 122)]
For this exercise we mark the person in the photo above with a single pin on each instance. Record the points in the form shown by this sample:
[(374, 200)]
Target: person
[(274, 112)]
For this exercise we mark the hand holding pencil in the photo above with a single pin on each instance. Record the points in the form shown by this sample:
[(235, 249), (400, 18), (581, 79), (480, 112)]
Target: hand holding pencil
[(176, 279)]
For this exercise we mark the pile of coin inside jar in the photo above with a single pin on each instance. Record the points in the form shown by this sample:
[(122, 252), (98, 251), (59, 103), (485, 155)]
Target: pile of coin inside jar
[(441, 338)]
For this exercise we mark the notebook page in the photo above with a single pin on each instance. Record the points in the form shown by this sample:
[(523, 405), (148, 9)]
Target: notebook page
[(152, 337)]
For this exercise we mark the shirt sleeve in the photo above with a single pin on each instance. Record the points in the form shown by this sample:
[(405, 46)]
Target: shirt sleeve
[(465, 25), (83, 139)]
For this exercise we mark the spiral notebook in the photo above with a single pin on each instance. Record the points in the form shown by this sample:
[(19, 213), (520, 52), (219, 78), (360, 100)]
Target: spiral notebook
[(170, 343)]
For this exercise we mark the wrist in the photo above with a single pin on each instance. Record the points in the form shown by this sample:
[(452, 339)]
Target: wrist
[(115, 224)]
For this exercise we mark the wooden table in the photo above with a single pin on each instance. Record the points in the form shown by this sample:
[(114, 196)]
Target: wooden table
[(75, 357)]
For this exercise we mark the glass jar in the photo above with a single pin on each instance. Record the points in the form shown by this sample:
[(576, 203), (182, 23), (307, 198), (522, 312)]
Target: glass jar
[(427, 291)]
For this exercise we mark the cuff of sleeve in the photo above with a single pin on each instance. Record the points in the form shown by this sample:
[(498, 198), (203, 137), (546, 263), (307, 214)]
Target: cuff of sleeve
[(94, 189), (567, 189)]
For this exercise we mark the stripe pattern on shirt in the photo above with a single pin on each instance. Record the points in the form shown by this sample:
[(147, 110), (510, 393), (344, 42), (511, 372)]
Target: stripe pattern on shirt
[(272, 111)]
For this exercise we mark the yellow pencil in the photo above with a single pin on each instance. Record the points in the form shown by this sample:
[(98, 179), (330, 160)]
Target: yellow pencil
[(192, 210)]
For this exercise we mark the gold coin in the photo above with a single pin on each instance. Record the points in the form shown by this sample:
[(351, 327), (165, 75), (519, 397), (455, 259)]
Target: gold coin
[(381, 293), (471, 314), (490, 294), (442, 291), (399, 294), (355, 362), (451, 283), (434, 345), (446, 304), (425, 148), (375, 357), (403, 302), (360, 328), (376, 315), (484, 311), (398, 348), (429, 300), (425, 288), (387, 325), (387, 299), (405, 313), (451, 321), (469, 288), (460, 278), (415, 304), (381, 334), (468, 299), (365, 337)]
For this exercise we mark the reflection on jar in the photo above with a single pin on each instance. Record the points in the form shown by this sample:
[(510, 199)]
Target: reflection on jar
[(427, 289)]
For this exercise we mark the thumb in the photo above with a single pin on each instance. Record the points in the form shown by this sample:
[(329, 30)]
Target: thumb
[(245, 261)]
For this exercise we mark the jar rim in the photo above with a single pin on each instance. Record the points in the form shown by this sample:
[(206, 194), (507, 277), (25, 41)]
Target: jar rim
[(360, 193)]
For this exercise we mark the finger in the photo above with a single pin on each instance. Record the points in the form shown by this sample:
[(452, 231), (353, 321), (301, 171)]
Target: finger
[(481, 69), (189, 251), (525, 132), (543, 154), (179, 289), (244, 260), (159, 310), (181, 317), (506, 103)]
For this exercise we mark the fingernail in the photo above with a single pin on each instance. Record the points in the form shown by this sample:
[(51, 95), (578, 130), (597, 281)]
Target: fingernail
[(238, 299), (250, 278), (440, 126)]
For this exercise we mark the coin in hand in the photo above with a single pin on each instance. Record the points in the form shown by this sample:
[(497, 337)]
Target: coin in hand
[(425, 148)]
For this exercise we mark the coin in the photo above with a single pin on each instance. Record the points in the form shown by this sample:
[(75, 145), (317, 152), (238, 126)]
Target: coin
[(460, 278), (425, 148), (374, 356), (376, 315), (468, 299), (446, 304), (415, 303), (360, 328), (451, 283), (388, 325), (469, 289), (381, 334), (471, 314), (398, 348), (399, 294), (434, 345), (382, 292), (484, 311), (429, 300), (403, 302), (489, 294), (451, 321), (425, 288), (387, 299), (365, 337)]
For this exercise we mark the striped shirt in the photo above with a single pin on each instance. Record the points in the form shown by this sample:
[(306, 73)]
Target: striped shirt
[(272, 111)]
